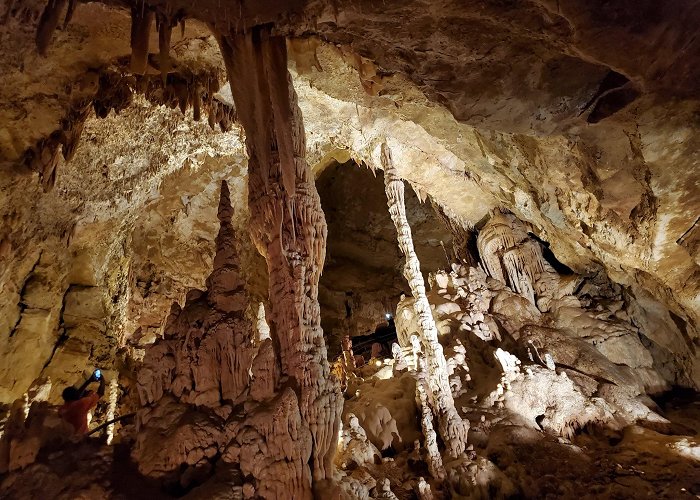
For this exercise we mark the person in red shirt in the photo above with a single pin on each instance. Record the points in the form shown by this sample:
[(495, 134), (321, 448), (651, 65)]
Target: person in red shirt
[(78, 402)]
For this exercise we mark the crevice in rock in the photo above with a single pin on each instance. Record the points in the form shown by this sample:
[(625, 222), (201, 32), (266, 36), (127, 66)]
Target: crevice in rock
[(612, 80), (612, 102), (614, 93), (690, 239), (22, 306), (682, 326), (63, 333), (549, 256)]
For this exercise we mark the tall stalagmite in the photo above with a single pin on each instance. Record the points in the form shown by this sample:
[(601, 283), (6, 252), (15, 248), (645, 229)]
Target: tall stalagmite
[(210, 393), (452, 428), (288, 226)]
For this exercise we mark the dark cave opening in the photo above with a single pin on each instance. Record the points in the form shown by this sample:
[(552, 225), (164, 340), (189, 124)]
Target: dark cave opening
[(362, 279), (382, 337), (549, 256)]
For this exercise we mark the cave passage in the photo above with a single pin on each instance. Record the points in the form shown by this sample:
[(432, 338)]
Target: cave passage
[(362, 280), (384, 336)]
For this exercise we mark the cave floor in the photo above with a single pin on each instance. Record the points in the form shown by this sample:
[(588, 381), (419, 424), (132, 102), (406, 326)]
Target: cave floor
[(635, 462)]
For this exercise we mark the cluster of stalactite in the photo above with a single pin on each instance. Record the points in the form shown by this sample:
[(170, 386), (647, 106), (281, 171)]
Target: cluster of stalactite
[(510, 255), (156, 76), (112, 89), (452, 427), (462, 235), (289, 227)]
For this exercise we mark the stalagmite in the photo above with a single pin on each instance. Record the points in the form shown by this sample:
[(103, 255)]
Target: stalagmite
[(384, 490), (261, 325), (437, 470), (424, 492), (205, 361), (264, 372), (453, 428), (348, 355), (111, 409), (399, 359), (210, 392), (289, 226)]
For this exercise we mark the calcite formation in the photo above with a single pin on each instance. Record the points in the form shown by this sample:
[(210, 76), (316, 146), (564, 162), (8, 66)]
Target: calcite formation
[(514, 258), (452, 428), (194, 379), (562, 251), (288, 226)]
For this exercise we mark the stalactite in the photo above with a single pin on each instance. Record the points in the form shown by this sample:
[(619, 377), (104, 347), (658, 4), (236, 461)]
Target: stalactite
[(141, 22), (114, 92), (511, 256), (69, 13), (48, 23), (165, 31), (453, 428), (461, 234), (288, 222)]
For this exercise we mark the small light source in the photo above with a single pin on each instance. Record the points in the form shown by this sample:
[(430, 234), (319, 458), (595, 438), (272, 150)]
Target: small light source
[(388, 316)]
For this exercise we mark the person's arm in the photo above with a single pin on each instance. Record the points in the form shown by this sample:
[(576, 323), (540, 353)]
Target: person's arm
[(101, 388), (81, 389)]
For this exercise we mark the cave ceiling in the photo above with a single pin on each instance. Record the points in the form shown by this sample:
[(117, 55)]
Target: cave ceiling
[(580, 117)]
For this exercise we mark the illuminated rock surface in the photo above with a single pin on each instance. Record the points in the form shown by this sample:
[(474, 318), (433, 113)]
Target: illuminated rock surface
[(530, 332)]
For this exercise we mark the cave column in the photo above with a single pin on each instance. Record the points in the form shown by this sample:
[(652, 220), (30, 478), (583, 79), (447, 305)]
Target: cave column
[(452, 427), (288, 226)]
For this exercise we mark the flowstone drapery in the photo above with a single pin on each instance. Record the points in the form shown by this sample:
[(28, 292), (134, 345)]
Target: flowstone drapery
[(453, 428), (288, 226), (511, 256)]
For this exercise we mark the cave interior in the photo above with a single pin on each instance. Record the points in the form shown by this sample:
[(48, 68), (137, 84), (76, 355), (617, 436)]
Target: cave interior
[(349, 250)]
